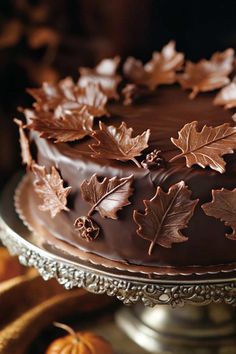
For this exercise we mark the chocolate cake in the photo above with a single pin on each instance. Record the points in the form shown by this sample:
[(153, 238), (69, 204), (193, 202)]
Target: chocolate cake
[(127, 166)]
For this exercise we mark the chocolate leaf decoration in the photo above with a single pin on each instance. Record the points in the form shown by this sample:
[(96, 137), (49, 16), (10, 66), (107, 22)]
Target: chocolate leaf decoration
[(160, 70), (24, 143), (94, 99), (72, 126), (49, 187), (207, 75), (49, 96), (86, 228), (206, 147), (165, 215), (117, 143), (107, 196), (227, 96), (103, 74), (223, 207)]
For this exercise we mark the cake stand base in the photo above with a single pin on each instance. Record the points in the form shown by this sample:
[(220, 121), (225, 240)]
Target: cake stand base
[(191, 329)]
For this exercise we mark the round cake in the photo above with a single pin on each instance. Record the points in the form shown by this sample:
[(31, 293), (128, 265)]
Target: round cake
[(127, 166)]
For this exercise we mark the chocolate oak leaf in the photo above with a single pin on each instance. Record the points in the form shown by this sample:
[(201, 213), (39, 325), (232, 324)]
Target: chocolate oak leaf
[(94, 99), (69, 127), (107, 196), (223, 207), (24, 143), (117, 143), (226, 97), (49, 187), (161, 69), (50, 96), (207, 75), (205, 148), (86, 228), (165, 215), (103, 74)]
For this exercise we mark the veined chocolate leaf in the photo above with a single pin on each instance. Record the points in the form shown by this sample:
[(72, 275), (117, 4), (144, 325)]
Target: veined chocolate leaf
[(71, 126), (161, 69), (207, 75), (117, 143), (223, 207), (49, 187), (165, 215), (103, 74), (24, 143), (107, 196), (206, 147), (94, 99)]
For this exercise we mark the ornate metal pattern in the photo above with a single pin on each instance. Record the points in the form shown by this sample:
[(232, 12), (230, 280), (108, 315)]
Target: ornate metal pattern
[(130, 292)]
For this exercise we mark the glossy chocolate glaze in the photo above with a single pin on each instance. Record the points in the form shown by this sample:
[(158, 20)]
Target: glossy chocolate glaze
[(164, 112)]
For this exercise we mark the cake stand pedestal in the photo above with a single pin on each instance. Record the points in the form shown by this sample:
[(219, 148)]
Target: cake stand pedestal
[(158, 322)]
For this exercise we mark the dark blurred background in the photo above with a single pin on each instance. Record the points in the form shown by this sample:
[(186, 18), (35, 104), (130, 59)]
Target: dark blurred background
[(48, 39)]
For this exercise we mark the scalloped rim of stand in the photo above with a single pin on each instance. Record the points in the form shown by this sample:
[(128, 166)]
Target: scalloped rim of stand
[(24, 188)]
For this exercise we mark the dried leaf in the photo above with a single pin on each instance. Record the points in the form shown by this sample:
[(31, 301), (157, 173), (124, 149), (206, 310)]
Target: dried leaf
[(160, 70), (116, 143), (226, 97), (24, 143), (49, 187), (103, 74), (69, 127), (207, 75), (206, 147), (223, 207), (94, 99), (165, 215), (107, 196)]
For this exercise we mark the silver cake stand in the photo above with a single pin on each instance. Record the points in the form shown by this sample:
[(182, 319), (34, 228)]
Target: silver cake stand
[(209, 327)]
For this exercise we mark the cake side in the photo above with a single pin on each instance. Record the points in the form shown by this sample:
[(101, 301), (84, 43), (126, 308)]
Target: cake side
[(128, 201)]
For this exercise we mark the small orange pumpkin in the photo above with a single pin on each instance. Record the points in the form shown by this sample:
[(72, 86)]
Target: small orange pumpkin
[(9, 266), (79, 343)]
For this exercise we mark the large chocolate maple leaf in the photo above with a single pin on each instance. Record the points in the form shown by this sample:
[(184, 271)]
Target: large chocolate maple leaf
[(223, 207), (107, 196), (165, 215), (24, 143), (103, 74), (49, 187), (207, 75), (117, 143), (160, 70), (70, 127), (206, 147)]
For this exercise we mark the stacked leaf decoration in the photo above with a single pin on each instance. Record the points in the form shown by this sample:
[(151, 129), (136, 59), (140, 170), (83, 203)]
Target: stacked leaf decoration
[(165, 215)]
